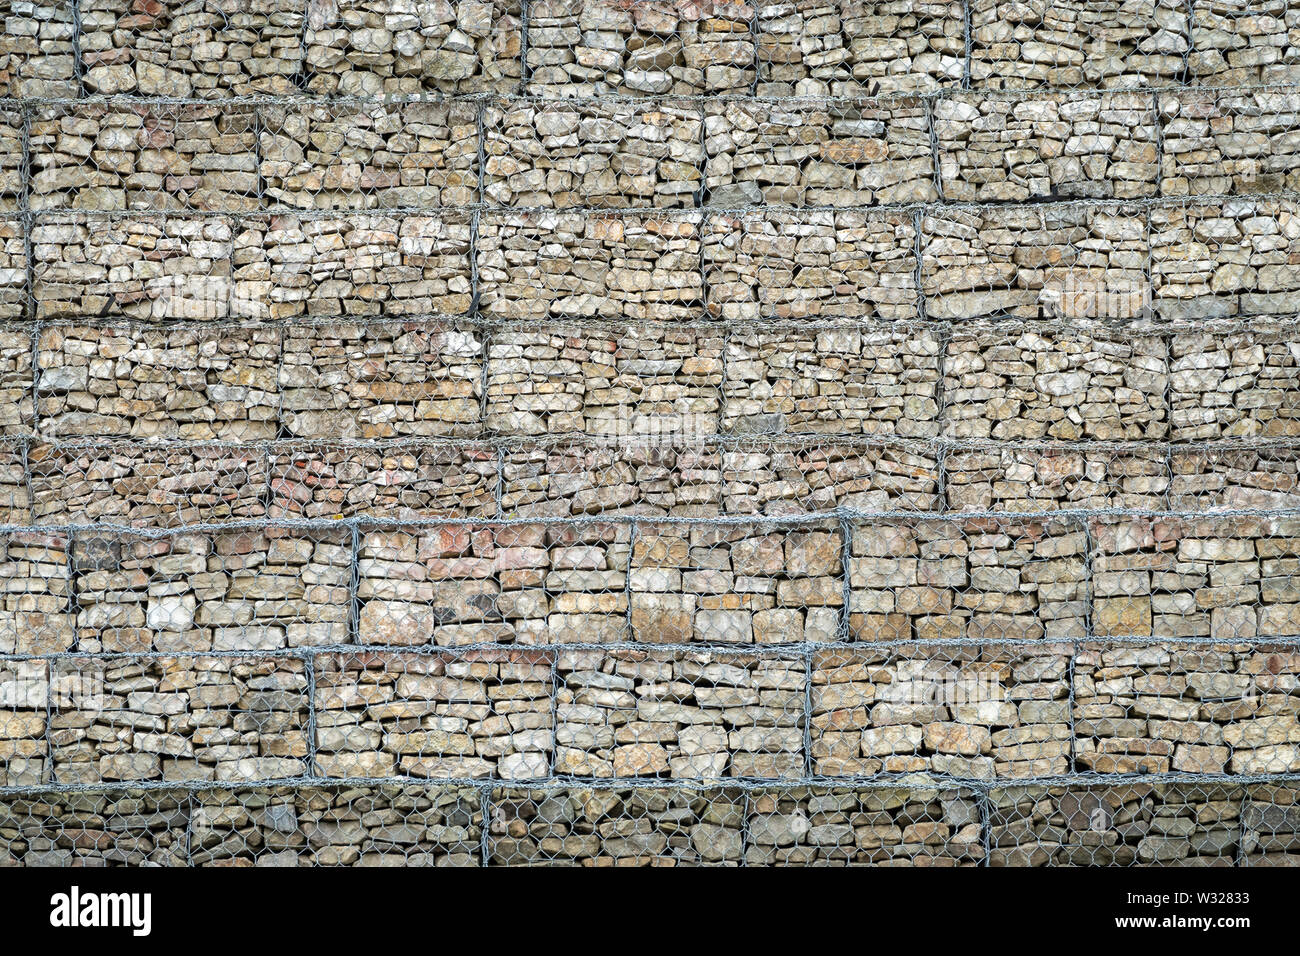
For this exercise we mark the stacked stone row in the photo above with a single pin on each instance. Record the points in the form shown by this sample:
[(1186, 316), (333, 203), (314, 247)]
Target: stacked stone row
[(368, 825), (663, 153), (979, 714), (1172, 260), (656, 383), (591, 47), (174, 485), (650, 581)]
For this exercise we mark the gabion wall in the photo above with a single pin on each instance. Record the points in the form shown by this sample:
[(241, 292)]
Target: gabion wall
[(637, 431)]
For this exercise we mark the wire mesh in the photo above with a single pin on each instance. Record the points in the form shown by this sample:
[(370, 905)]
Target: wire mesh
[(1236, 42), (1141, 825), (1077, 43), (1073, 261), (37, 55), (378, 47), (121, 828), (639, 826), (681, 715), (202, 48), (1212, 480), (1047, 479), (190, 718), (1227, 143), (592, 47), (639, 381), (594, 154), (853, 152), (591, 433), (366, 156), (482, 714), (1017, 147), (811, 47), (983, 713), (571, 264), (798, 265), (143, 157), (1083, 381)]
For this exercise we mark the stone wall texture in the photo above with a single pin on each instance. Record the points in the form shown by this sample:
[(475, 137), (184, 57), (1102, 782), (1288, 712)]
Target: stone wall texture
[(649, 432)]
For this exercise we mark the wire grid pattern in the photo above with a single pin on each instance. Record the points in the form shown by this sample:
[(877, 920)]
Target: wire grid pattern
[(1107, 683), (729, 153)]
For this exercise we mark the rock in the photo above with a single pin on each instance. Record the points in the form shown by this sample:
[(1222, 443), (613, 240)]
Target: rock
[(811, 49), (587, 49), (999, 147), (869, 153)]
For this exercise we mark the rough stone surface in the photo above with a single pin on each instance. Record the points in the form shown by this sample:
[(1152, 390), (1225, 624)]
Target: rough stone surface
[(135, 267), (362, 156), (449, 585), (11, 158), (984, 578), (740, 584), (1134, 825), (1171, 577), (1015, 147), (24, 749), (17, 374), (821, 48), (980, 713), (580, 48), (130, 483), (617, 155), (144, 157), (380, 380), (37, 589), (106, 382), (1195, 709), (258, 590), (688, 716), (1271, 826), (786, 477), (1067, 261), (227, 719), (1207, 480), (638, 382), (1077, 43), (1243, 42), (1235, 381), (121, 828), (1225, 143), (795, 265), (588, 265), (1231, 258), (647, 445), (200, 48), (1084, 381), (36, 49), (352, 266), (630, 827), (573, 477), (855, 153), (881, 827), (384, 47), (15, 494), (836, 381), (1045, 480), (347, 826), (392, 481), (485, 714)]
